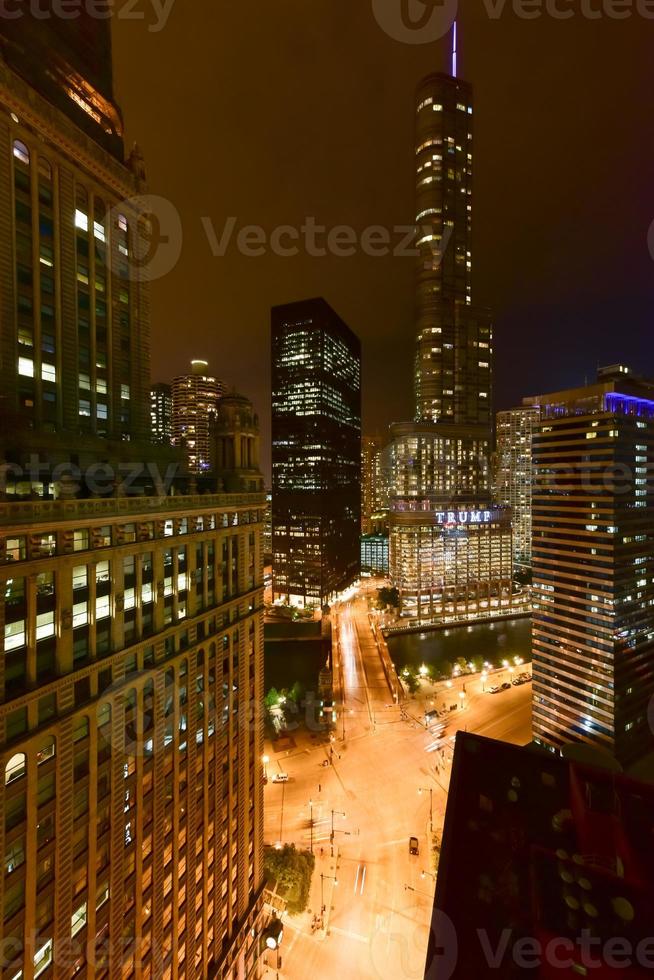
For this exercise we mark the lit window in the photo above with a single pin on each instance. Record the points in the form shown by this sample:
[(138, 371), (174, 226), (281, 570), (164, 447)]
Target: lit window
[(15, 768), (49, 373), (26, 367), (85, 408), (125, 393), (78, 919), (21, 152), (81, 220), (102, 411), (43, 958)]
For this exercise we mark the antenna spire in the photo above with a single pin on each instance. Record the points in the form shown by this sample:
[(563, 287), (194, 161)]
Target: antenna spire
[(454, 50)]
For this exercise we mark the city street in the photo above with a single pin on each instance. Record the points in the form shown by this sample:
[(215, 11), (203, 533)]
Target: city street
[(383, 786)]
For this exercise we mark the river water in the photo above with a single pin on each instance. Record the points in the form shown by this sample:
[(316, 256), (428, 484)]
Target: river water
[(492, 641)]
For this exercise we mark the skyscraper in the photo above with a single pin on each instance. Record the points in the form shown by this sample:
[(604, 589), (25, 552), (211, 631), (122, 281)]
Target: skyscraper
[(513, 476), (316, 453), (74, 365), (450, 548), (453, 375), (131, 647), (161, 412), (195, 408), (374, 485), (593, 565)]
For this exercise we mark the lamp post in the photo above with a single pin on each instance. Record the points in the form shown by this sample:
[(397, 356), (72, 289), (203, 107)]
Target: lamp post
[(431, 806), (484, 678), (425, 874), (331, 836), (265, 759)]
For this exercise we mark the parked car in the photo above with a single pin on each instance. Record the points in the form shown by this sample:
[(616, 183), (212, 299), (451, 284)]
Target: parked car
[(414, 847), (494, 690), (280, 777), (506, 686)]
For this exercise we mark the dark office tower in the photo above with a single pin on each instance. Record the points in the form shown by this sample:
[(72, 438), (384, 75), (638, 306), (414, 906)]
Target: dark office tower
[(131, 646), (67, 60), (546, 868), (316, 445), (453, 359), (593, 565), (161, 413)]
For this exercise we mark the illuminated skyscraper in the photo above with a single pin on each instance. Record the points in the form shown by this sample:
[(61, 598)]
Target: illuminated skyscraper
[(131, 647), (195, 408), (450, 548), (316, 447), (374, 485), (513, 475), (73, 364), (454, 341), (593, 565), (161, 413)]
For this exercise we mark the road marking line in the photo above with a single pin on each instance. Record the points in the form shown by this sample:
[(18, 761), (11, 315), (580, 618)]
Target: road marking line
[(363, 880), (356, 880)]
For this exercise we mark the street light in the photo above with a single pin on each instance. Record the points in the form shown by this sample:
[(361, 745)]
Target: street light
[(484, 678), (424, 874), (265, 759), (431, 806), (331, 837)]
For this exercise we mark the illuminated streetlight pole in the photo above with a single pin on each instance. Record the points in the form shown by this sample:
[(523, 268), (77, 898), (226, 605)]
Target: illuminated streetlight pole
[(431, 806), (331, 837)]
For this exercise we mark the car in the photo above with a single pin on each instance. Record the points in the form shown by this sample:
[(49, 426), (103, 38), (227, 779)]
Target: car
[(494, 690), (506, 686), (280, 777), (414, 847), (517, 681)]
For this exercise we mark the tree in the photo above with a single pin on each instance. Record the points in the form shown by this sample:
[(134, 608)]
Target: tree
[(388, 597), (290, 871)]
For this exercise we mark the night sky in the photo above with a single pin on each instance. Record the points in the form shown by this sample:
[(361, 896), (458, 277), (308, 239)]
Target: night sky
[(274, 111)]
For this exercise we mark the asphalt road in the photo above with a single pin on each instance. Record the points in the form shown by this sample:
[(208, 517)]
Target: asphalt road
[(381, 906)]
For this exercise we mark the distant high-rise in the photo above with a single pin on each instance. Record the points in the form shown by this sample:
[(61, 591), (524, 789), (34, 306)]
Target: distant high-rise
[(450, 547), (161, 412), (513, 476), (593, 565), (374, 485), (316, 453), (195, 407)]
